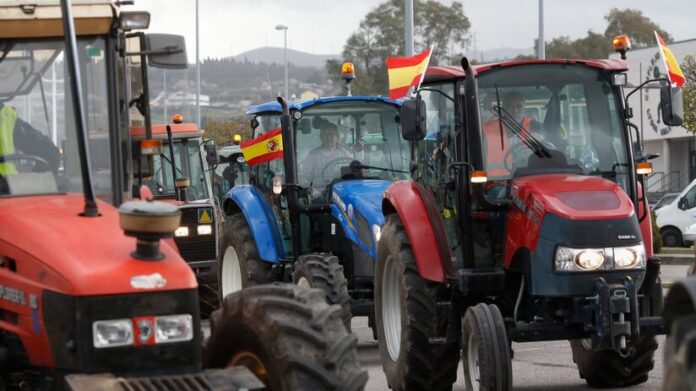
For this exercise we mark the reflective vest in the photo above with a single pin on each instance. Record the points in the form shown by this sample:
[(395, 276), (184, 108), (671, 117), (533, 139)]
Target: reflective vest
[(495, 166), (8, 117)]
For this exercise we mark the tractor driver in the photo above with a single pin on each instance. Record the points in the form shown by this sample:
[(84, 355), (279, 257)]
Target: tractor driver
[(513, 107), (316, 166)]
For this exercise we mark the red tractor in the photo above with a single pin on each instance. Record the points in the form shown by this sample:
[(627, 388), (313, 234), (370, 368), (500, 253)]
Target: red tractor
[(85, 304), (525, 220)]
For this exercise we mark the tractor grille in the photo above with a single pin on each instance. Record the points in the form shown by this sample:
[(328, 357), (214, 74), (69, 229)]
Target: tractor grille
[(228, 379), (194, 247)]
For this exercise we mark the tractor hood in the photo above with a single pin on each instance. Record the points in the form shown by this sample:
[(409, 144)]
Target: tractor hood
[(363, 197), (82, 256), (573, 197)]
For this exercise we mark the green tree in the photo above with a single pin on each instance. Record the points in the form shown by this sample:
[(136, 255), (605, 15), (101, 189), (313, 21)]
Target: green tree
[(222, 131), (381, 35), (591, 46), (689, 69), (639, 28)]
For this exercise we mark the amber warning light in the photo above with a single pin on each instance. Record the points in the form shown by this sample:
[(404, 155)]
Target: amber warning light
[(644, 168), (621, 44), (348, 71), (177, 118), (151, 147)]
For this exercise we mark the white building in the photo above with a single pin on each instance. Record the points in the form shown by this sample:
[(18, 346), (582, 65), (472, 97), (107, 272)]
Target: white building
[(676, 166)]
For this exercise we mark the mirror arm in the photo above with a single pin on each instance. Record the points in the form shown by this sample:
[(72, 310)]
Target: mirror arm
[(167, 50), (641, 85)]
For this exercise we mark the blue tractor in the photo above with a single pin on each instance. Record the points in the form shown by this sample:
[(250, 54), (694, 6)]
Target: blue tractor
[(314, 217)]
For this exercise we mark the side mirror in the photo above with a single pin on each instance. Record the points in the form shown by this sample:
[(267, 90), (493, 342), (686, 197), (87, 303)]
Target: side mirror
[(254, 123), (166, 51), (671, 105), (413, 116), (211, 155), (682, 203)]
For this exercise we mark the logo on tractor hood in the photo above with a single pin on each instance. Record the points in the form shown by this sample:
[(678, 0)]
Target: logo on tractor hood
[(148, 281)]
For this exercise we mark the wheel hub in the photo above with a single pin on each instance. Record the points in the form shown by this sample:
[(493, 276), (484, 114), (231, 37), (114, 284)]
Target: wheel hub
[(473, 361), (391, 309), (303, 282), (231, 276), (252, 362)]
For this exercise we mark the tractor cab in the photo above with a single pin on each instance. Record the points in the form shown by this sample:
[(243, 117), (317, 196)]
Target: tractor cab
[(231, 171)]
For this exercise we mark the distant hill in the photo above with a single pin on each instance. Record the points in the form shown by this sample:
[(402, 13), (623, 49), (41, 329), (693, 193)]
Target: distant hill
[(270, 55)]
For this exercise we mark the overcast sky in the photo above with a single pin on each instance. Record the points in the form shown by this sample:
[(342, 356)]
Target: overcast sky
[(322, 26)]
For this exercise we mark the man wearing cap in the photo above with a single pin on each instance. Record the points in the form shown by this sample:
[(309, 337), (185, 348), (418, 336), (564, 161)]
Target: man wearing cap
[(315, 166)]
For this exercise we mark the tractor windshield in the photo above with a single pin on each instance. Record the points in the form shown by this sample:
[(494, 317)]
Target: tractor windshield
[(547, 118), (38, 140), (332, 135), (189, 164)]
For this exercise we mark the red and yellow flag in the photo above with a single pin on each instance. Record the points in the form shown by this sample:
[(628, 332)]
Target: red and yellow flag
[(406, 72), (674, 72), (262, 149)]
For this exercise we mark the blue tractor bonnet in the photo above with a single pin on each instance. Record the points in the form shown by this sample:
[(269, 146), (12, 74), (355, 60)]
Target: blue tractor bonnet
[(274, 106)]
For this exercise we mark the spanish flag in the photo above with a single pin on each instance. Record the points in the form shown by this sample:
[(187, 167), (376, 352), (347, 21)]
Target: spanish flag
[(674, 72), (262, 149), (406, 72)]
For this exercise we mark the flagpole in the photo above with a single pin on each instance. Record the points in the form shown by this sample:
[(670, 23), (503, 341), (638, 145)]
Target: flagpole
[(408, 33)]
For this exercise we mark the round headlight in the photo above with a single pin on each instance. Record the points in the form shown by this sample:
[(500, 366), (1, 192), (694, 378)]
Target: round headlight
[(589, 259), (625, 257)]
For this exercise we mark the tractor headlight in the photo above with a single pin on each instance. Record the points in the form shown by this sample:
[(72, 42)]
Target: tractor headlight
[(173, 328), (376, 232), (576, 259), (181, 231), (204, 229), (629, 257), (110, 333)]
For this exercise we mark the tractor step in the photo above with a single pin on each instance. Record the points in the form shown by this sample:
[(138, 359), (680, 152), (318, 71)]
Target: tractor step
[(482, 281), (228, 379)]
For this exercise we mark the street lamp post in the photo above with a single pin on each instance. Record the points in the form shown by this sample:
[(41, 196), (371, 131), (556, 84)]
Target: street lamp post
[(285, 53)]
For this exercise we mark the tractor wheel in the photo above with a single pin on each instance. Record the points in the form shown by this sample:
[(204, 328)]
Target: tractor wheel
[(288, 336), (240, 265), (323, 271), (608, 369), (485, 349), (680, 354), (406, 318), (671, 237)]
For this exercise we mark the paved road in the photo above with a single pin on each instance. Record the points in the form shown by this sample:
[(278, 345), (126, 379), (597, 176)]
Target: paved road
[(536, 366)]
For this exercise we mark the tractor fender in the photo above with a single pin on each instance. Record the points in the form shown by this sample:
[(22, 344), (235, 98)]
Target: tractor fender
[(259, 215), (680, 301), (426, 232)]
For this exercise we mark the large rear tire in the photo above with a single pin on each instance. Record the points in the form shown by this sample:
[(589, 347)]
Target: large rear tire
[(680, 354), (323, 271), (289, 336), (485, 349), (406, 318), (240, 264), (608, 369)]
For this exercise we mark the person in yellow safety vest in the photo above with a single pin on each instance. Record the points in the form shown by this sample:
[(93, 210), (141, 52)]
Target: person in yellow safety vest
[(8, 117), (20, 137), (513, 104)]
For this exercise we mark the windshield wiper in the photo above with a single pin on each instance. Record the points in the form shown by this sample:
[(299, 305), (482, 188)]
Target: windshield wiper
[(165, 157), (522, 134)]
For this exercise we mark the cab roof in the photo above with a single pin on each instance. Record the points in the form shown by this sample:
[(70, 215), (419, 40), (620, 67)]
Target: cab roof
[(42, 18), (274, 106), (159, 131), (441, 73)]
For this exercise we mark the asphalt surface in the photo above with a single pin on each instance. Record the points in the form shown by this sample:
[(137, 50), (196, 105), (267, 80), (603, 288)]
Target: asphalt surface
[(536, 366)]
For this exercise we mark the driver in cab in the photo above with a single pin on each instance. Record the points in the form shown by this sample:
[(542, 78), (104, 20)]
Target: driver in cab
[(318, 160), (496, 149)]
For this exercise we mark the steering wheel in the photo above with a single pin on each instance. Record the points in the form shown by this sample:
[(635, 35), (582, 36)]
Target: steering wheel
[(331, 163), (509, 156), (39, 162)]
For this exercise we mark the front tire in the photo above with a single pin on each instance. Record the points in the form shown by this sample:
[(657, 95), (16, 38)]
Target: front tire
[(323, 271), (671, 237), (406, 318), (608, 369), (485, 349), (240, 264), (290, 337)]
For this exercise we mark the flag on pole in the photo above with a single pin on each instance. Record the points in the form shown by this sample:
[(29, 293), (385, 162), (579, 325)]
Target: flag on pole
[(406, 73), (262, 149), (674, 72)]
